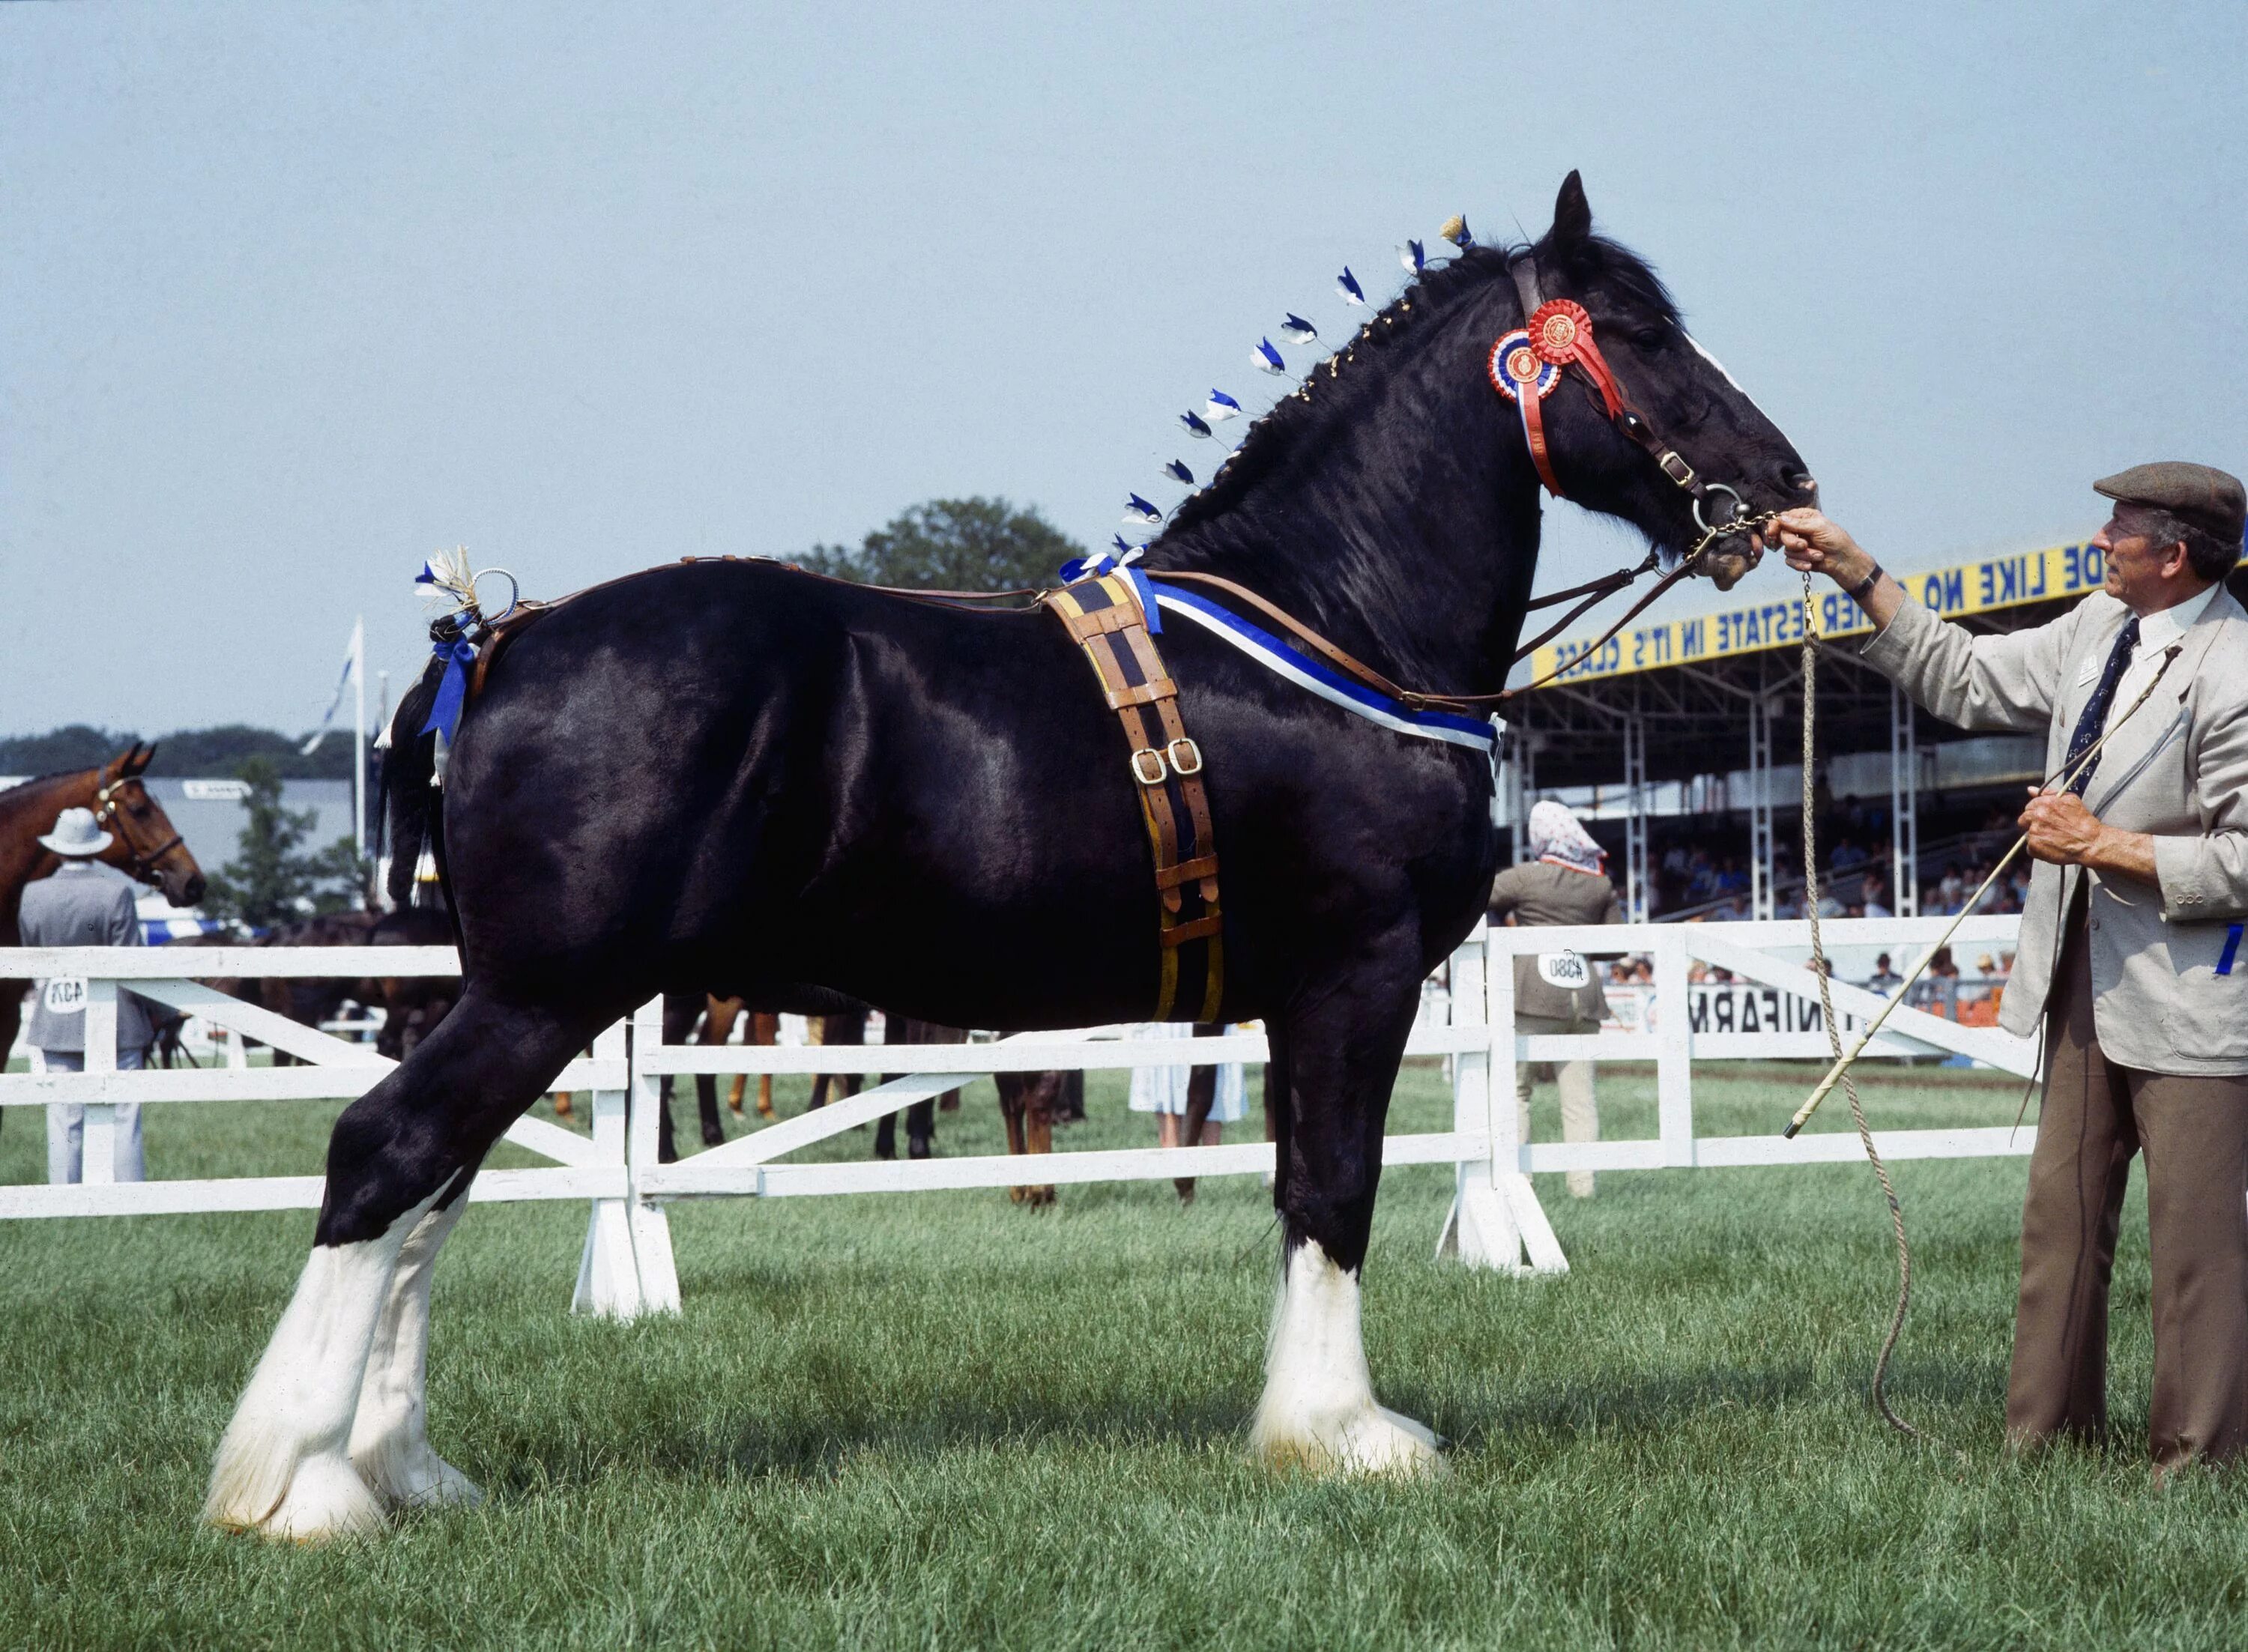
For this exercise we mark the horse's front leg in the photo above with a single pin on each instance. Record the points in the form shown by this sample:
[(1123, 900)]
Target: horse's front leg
[(1336, 1056)]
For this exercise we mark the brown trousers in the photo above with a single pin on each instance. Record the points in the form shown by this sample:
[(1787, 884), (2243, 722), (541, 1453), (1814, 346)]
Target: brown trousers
[(2194, 1133)]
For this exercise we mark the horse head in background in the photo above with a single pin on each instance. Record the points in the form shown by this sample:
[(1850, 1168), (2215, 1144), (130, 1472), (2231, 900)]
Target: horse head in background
[(143, 843)]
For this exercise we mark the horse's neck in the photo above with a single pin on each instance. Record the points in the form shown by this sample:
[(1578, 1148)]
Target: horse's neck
[(27, 812), (1410, 540)]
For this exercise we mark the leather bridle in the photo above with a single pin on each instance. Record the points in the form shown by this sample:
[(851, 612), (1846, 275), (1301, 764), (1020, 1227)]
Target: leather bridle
[(1558, 333), (142, 863)]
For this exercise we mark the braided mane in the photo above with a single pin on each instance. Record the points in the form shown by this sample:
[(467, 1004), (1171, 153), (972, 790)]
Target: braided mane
[(1329, 396)]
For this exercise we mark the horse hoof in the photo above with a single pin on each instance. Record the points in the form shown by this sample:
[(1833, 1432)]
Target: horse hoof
[(414, 1477), (1373, 1440), (325, 1500), (441, 1486)]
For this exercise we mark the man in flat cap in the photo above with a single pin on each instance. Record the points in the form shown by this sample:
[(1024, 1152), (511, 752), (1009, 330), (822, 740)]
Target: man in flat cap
[(2131, 945)]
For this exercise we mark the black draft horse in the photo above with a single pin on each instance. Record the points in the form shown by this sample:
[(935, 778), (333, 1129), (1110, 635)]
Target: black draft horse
[(931, 810)]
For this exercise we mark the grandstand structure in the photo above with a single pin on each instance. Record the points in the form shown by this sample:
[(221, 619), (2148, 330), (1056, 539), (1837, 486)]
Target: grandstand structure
[(1687, 729)]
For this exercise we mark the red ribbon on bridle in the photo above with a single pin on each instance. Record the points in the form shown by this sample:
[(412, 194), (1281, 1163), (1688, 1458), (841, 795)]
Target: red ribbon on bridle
[(1526, 367), (1527, 364)]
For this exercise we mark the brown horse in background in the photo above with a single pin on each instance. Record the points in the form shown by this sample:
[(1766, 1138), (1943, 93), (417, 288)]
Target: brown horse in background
[(143, 844)]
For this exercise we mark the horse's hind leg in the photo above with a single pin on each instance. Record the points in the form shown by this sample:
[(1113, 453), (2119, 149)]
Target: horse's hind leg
[(399, 1165), (1337, 1060), (389, 1443)]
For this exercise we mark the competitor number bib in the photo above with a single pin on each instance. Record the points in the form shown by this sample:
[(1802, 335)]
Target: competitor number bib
[(65, 994), (1566, 969)]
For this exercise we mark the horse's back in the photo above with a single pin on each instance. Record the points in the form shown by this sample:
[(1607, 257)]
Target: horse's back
[(721, 760)]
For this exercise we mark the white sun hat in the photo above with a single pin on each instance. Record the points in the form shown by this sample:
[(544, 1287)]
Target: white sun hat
[(76, 835)]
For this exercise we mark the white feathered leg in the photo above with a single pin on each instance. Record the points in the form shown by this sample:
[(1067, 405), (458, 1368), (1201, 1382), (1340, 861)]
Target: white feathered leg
[(283, 1468), (390, 1438), (1318, 1408)]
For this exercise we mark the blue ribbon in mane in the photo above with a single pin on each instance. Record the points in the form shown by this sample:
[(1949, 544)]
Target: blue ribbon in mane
[(452, 688)]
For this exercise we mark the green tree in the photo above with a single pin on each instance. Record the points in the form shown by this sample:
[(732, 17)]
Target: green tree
[(274, 878), (199, 753), (954, 544)]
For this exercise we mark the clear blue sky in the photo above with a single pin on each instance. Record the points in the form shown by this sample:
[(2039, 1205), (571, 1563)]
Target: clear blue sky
[(291, 296)]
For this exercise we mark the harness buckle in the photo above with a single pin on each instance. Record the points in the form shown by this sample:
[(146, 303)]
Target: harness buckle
[(1153, 758), (1675, 468), (1185, 755)]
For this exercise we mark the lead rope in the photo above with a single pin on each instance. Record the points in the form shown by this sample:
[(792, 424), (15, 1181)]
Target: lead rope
[(1811, 645)]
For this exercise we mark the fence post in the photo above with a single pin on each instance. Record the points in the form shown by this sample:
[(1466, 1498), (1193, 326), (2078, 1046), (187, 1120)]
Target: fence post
[(1674, 1048), (1481, 1231), (608, 1276), (651, 1228), (97, 1143)]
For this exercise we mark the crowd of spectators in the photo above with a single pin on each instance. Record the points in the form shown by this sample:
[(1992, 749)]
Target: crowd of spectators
[(1945, 989), (1695, 876)]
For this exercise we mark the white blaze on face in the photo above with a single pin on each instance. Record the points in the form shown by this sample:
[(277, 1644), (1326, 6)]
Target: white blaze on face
[(1728, 377)]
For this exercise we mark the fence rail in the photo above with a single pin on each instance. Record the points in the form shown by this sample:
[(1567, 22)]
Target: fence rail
[(627, 1266)]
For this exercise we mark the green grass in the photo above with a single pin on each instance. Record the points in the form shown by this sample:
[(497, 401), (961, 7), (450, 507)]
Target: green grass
[(945, 1420)]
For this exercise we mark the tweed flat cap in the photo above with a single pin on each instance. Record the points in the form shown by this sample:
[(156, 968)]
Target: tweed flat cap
[(2199, 494)]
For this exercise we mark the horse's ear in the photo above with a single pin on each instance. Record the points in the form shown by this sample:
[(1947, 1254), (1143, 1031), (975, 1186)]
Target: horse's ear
[(1573, 217), (140, 758)]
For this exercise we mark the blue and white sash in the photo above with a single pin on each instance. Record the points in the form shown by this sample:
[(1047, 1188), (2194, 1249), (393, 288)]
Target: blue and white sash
[(1260, 645)]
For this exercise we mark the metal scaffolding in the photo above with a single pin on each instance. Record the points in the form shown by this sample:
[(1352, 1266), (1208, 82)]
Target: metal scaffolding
[(1761, 848), (1904, 808), (1636, 886)]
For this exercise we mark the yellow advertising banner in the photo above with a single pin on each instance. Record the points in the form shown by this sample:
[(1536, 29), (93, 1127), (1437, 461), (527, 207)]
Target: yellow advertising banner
[(2006, 581)]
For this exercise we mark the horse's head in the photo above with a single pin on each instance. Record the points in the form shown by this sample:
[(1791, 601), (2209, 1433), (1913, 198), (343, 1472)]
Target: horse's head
[(143, 842), (1684, 404)]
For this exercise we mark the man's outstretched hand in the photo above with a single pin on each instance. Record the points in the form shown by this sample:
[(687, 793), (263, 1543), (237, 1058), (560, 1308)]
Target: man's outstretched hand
[(1813, 544)]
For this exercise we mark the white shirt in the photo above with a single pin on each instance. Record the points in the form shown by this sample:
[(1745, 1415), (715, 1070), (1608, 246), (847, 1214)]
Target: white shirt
[(2157, 632)]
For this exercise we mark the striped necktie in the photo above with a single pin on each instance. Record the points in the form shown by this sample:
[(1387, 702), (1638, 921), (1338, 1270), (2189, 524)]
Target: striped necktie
[(2095, 719)]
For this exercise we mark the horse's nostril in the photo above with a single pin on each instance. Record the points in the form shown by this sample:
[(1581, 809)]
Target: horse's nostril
[(1800, 481)]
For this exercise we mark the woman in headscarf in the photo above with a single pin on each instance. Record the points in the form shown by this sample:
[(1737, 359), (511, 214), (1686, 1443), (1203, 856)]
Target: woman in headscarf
[(1564, 881)]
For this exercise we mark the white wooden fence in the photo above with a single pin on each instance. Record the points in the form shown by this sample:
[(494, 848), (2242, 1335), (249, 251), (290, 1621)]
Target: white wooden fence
[(627, 1265)]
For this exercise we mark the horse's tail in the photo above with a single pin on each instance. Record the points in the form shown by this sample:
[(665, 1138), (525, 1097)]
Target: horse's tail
[(410, 810)]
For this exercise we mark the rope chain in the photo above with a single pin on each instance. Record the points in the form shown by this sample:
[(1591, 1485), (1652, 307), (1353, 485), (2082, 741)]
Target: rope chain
[(1812, 642)]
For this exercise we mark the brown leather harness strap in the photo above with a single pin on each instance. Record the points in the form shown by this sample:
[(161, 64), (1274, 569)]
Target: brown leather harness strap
[(1104, 619), (1467, 704)]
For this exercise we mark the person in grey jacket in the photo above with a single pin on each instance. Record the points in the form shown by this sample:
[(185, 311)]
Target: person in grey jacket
[(2131, 938), (81, 906), (1559, 992)]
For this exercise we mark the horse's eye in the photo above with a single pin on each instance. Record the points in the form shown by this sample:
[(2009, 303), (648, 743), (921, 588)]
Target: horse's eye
[(1650, 338)]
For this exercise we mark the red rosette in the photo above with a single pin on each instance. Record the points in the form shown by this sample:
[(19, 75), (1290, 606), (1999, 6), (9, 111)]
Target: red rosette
[(1560, 331)]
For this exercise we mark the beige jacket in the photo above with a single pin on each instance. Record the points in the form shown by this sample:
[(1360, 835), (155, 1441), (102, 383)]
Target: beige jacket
[(2174, 769), (1538, 892)]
